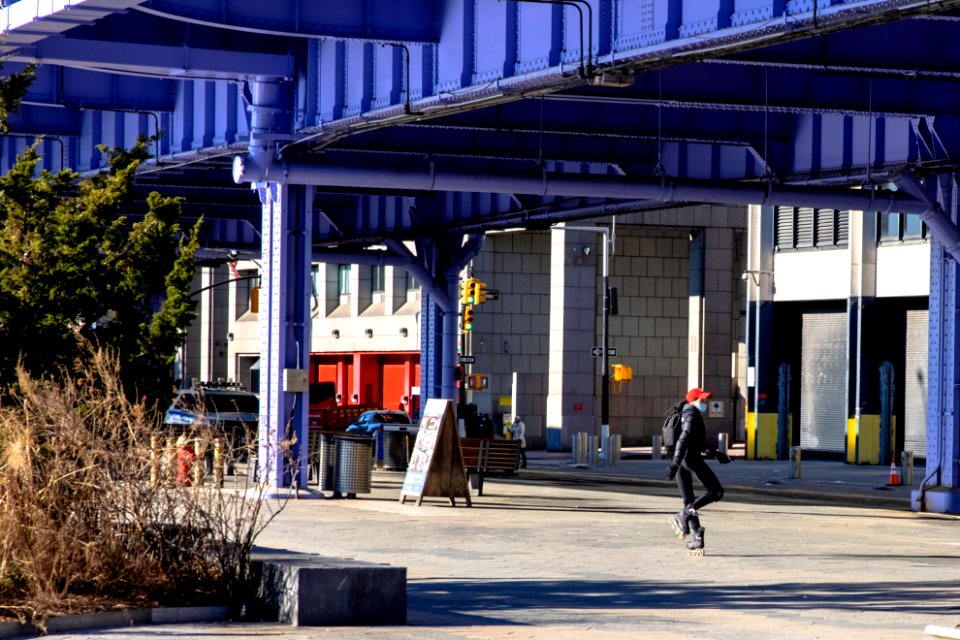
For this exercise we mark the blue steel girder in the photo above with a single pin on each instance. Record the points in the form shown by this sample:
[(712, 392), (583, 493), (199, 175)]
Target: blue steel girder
[(155, 59), (406, 20), (59, 86), (777, 104)]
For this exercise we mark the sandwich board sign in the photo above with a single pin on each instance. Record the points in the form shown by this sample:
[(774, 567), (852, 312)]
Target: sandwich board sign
[(436, 464)]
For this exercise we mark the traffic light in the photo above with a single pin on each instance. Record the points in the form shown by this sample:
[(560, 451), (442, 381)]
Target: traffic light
[(479, 292), (466, 291), (467, 319)]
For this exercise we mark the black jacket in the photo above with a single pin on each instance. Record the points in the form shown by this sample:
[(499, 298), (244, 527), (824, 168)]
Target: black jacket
[(693, 434)]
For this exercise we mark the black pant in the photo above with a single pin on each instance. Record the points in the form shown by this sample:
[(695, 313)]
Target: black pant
[(523, 456), (696, 465)]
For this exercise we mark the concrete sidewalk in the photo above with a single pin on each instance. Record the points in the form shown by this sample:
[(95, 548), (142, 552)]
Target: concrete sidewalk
[(561, 553)]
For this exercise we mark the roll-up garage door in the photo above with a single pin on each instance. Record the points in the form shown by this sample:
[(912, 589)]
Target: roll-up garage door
[(823, 382), (915, 384)]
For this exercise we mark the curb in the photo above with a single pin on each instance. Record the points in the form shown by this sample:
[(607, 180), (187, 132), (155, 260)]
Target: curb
[(119, 619), (771, 491)]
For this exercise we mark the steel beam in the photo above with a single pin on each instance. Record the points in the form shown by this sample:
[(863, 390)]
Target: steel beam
[(407, 20), (155, 60)]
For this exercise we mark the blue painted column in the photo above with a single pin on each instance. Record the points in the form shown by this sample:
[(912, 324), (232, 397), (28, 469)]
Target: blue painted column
[(438, 266), (284, 332), (940, 488)]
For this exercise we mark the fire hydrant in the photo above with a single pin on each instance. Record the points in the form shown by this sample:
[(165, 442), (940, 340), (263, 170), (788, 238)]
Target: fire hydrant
[(185, 460)]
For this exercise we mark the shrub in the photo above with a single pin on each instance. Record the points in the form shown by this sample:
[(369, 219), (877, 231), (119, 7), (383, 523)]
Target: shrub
[(90, 518)]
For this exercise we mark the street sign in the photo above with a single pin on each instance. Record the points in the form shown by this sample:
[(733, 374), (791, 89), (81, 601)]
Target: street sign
[(467, 359), (493, 294), (598, 351)]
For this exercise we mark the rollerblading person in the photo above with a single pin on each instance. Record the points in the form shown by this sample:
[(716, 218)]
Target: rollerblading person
[(688, 460)]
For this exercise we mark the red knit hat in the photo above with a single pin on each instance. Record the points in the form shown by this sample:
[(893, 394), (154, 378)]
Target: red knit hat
[(697, 394)]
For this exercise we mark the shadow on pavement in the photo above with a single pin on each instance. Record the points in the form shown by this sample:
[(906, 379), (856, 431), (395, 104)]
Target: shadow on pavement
[(465, 602)]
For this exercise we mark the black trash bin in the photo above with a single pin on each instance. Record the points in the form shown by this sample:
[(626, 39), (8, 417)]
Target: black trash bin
[(325, 461), (353, 473), (398, 442)]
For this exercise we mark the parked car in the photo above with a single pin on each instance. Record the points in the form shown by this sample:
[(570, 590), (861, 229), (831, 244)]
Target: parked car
[(231, 410), (369, 423)]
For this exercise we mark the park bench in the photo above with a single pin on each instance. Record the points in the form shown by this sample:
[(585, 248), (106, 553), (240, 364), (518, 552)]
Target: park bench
[(482, 456)]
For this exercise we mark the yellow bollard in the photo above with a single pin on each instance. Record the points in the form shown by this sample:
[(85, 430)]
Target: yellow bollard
[(154, 460), (200, 449), (171, 460), (218, 461)]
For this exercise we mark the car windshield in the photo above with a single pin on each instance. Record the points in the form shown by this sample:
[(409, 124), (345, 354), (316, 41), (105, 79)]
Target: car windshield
[(220, 403), (393, 418)]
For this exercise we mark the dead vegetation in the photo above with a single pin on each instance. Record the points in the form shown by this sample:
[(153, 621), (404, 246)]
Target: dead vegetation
[(92, 516)]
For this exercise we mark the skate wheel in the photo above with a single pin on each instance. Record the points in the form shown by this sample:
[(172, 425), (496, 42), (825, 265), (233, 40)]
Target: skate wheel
[(698, 552)]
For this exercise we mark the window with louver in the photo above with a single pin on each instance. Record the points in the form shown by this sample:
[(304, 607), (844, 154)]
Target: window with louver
[(843, 228), (784, 228), (805, 227), (826, 227)]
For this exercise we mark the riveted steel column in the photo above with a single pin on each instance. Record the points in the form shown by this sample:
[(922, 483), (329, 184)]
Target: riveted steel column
[(284, 319), (940, 489)]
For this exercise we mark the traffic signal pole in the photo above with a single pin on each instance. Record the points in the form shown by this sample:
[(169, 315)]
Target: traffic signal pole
[(605, 377)]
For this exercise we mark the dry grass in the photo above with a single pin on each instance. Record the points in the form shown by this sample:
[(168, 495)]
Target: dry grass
[(89, 517)]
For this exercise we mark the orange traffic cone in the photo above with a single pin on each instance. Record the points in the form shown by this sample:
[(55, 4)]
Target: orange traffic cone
[(894, 480)]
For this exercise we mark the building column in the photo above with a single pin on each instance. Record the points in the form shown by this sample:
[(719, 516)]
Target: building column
[(769, 435), (940, 488), (869, 440), (284, 333), (711, 336), (572, 382)]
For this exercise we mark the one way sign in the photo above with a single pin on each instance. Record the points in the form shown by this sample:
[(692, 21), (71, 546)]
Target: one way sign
[(598, 351)]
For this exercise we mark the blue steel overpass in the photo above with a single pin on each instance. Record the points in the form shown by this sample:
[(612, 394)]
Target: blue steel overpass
[(306, 130)]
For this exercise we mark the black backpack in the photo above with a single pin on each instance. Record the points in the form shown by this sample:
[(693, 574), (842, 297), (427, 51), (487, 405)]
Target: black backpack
[(672, 425)]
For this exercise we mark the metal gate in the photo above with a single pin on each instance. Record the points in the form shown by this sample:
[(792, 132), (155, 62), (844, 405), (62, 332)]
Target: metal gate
[(823, 382), (915, 384)]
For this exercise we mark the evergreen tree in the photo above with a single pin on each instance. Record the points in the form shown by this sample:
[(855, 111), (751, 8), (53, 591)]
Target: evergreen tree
[(72, 266)]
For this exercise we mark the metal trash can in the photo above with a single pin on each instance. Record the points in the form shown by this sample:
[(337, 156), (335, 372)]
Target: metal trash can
[(352, 472), (325, 461), (397, 446)]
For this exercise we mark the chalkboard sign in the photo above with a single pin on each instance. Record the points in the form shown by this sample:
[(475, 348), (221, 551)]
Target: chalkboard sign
[(436, 464)]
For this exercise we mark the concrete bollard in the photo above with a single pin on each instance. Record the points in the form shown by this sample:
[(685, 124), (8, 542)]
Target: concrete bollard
[(722, 442), (579, 446), (906, 468), (656, 448), (794, 463), (615, 448), (605, 444), (592, 451)]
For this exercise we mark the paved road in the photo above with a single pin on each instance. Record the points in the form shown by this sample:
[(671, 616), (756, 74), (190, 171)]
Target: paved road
[(560, 554)]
